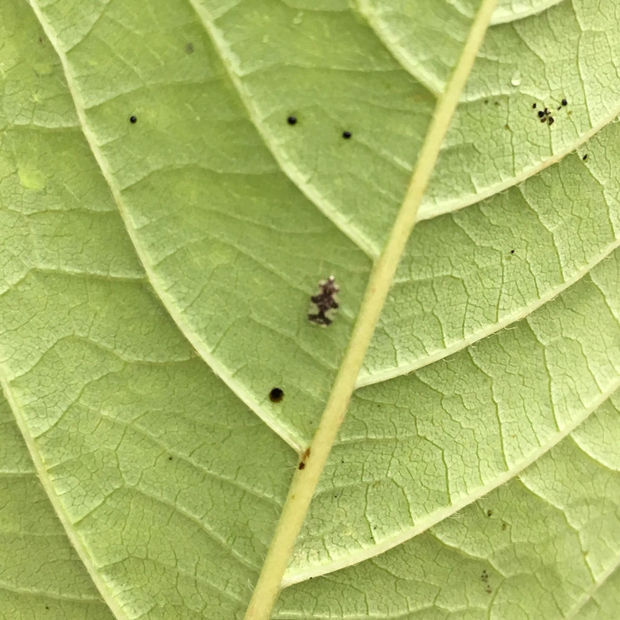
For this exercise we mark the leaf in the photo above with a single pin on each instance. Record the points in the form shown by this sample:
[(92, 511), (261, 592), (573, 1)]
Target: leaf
[(41, 573), (156, 281)]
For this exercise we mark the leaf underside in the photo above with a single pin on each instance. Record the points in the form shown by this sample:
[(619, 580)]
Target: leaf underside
[(155, 287)]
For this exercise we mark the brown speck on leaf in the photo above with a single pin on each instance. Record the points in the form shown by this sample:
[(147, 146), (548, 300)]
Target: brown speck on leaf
[(324, 302), (504, 525), (189, 48), (489, 512), (304, 458)]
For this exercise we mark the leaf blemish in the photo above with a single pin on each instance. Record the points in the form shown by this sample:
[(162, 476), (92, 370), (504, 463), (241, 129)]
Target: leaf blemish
[(304, 458), (276, 395), (545, 116), (189, 48)]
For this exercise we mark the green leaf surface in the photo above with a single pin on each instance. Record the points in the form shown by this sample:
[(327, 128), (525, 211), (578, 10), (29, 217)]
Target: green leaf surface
[(155, 282), (536, 547), (41, 574)]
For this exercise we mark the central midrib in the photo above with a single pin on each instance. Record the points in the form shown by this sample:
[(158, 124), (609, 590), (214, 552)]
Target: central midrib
[(307, 475)]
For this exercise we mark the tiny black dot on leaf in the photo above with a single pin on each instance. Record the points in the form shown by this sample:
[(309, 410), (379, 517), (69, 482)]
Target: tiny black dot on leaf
[(585, 157), (512, 251), (291, 120), (534, 106), (301, 465), (133, 119), (346, 134), (169, 458), (276, 395), (564, 102), (489, 512)]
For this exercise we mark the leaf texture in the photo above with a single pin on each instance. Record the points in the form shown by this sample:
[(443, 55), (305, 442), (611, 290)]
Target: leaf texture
[(164, 225)]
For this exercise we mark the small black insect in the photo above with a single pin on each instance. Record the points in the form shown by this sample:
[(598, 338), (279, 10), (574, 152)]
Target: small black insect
[(551, 120), (291, 120), (585, 157), (133, 119), (540, 113), (534, 106), (324, 302), (346, 134), (564, 102)]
